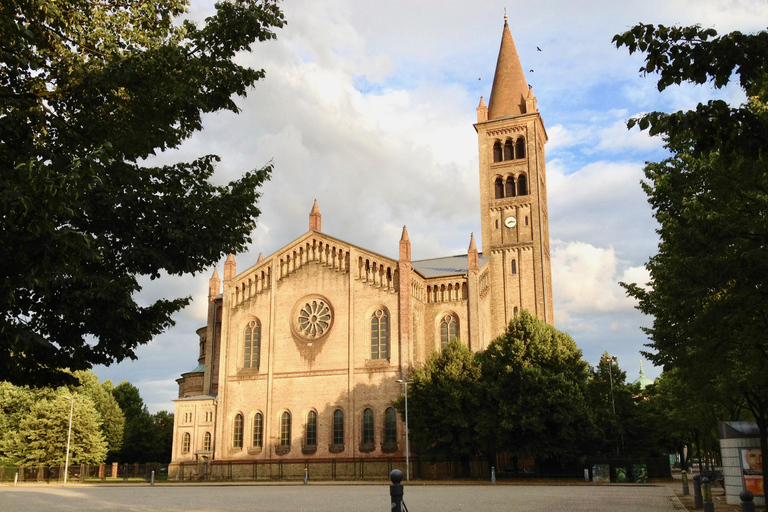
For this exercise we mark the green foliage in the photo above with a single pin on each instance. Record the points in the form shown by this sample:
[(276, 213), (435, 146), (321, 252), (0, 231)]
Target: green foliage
[(535, 382), (112, 418), (708, 293), (88, 91), (42, 435), (147, 437), (443, 404)]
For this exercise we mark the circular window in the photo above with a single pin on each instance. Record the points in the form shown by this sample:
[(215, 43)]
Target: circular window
[(312, 318)]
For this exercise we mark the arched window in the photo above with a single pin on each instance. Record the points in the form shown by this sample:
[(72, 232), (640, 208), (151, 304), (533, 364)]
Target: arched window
[(390, 426), (497, 152), (497, 223), (237, 432), (526, 220), (448, 330), (338, 427), (508, 150), (509, 189), (207, 442), (499, 188), (252, 345), (514, 266), (310, 436), (514, 311), (285, 429), (258, 431), (520, 148), (522, 185), (185, 444), (380, 335), (368, 426)]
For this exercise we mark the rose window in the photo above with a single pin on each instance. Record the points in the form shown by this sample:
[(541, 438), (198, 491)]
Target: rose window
[(313, 317)]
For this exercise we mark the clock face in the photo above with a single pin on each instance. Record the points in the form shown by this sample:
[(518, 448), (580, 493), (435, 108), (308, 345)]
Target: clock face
[(510, 222)]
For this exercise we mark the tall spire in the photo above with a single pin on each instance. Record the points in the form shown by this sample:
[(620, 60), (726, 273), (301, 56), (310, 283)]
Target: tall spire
[(510, 88), (314, 218), (472, 256), (405, 246)]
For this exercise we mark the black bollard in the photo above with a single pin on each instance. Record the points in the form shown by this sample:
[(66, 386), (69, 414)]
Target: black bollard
[(706, 495), (697, 501), (747, 503), (686, 491), (396, 490)]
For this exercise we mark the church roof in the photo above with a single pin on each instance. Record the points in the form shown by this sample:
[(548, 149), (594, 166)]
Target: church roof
[(510, 88), (444, 267), (642, 380)]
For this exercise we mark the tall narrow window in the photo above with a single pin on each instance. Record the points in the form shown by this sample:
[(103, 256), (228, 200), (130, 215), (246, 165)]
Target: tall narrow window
[(499, 188), (338, 427), (447, 330), (310, 436), (285, 429), (522, 185), (497, 152), (514, 311), (368, 426), (509, 189), (207, 442), (252, 345), (237, 432), (258, 431), (514, 266), (185, 444), (520, 148), (380, 335), (390, 426), (508, 150)]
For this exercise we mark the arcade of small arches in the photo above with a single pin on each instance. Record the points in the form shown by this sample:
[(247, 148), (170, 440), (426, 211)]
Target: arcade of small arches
[(447, 292), (309, 442), (510, 186), (509, 150)]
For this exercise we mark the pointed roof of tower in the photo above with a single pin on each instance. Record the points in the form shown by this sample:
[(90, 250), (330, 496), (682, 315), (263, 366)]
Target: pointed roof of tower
[(405, 246), (315, 218), (510, 88), (472, 256), (215, 274), (261, 257)]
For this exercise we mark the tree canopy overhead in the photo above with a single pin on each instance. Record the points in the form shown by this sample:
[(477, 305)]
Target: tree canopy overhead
[(708, 294), (88, 91)]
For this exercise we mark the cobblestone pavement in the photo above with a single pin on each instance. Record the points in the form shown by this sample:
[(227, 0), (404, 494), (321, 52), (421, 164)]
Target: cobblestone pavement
[(338, 497)]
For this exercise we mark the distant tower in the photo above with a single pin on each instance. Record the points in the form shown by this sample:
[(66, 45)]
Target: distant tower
[(513, 194)]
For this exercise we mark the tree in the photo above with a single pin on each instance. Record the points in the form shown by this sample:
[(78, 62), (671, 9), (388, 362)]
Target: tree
[(708, 293), (42, 435), (444, 402), (112, 418), (612, 406), (89, 91), (534, 403), (147, 437)]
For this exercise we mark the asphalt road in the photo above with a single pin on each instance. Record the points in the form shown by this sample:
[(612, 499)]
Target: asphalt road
[(337, 497)]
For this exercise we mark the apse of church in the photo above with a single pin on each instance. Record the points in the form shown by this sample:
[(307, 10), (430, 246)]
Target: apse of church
[(302, 352)]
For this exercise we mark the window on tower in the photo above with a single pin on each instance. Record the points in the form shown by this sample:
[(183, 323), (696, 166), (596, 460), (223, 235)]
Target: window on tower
[(514, 266), (520, 147), (497, 152), (499, 188), (380, 335), (509, 150), (509, 189), (522, 185)]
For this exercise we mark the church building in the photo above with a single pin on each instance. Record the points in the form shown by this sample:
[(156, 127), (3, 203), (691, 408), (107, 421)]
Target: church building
[(304, 352)]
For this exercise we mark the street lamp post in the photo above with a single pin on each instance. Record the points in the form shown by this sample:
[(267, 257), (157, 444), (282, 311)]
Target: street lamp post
[(407, 447), (69, 434), (613, 359)]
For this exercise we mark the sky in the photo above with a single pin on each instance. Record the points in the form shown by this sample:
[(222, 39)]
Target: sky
[(368, 107)]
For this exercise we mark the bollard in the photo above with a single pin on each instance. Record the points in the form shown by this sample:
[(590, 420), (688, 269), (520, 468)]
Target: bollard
[(151, 478), (493, 475), (15, 479), (746, 497), (686, 491), (706, 495), (396, 491), (697, 501), (306, 475)]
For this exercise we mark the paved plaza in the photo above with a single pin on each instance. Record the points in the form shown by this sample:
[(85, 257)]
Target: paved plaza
[(337, 497)]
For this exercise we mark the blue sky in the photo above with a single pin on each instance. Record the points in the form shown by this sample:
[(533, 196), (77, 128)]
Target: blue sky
[(375, 101)]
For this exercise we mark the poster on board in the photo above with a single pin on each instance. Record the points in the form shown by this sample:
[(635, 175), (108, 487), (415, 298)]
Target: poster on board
[(752, 469)]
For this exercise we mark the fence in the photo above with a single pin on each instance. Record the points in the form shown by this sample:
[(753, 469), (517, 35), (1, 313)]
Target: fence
[(84, 472)]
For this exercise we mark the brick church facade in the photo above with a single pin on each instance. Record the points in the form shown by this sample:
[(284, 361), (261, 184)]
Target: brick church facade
[(302, 352)]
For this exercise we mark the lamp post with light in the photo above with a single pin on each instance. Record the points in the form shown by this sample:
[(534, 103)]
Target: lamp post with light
[(407, 451), (611, 360), (69, 434)]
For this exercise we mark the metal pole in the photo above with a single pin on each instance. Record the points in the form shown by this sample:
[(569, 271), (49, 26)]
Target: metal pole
[(610, 372), (407, 448), (69, 435), (396, 491)]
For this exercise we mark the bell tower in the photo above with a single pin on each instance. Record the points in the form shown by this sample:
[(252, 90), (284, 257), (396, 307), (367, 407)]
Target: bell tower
[(513, 194)]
